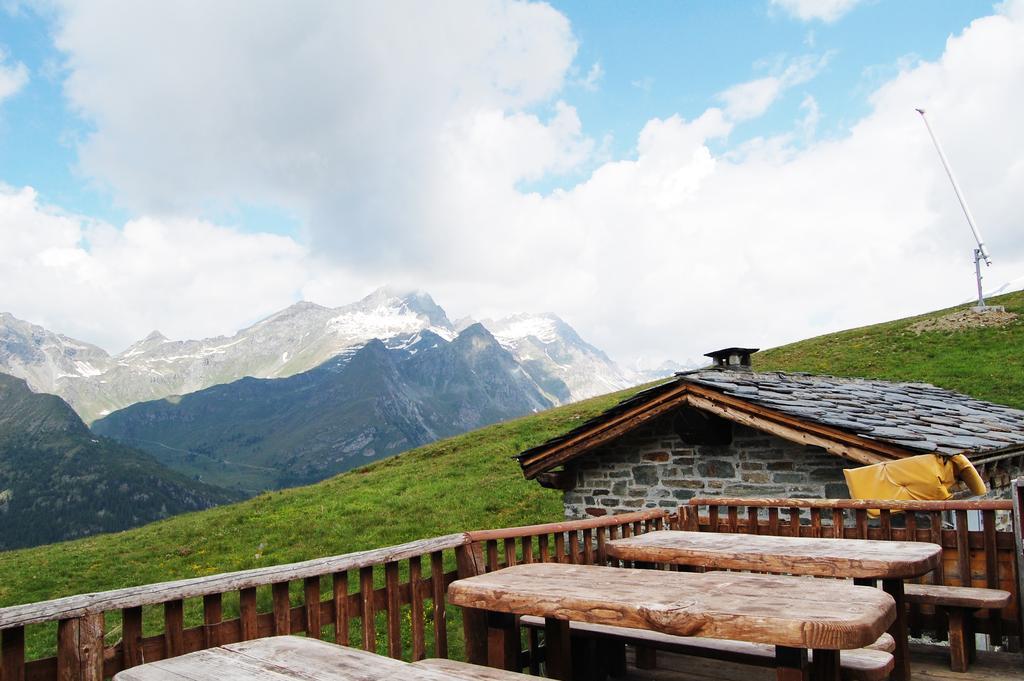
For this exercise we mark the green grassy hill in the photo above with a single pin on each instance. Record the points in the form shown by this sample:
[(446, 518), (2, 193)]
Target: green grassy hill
[(468, 481), (58, 481), (987, 363)]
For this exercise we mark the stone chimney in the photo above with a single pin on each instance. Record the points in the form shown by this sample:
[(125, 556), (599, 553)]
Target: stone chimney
[(735, 359)]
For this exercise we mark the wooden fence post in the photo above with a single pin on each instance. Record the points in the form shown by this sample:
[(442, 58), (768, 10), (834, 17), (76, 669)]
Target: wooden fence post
[(1017, 490), (80, 648), (470, 561)]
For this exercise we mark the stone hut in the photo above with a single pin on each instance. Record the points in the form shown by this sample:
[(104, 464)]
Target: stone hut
[(729, 431)]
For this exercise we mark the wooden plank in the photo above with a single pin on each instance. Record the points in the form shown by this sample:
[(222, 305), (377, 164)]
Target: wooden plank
[(367, 608), (914, 610), (732, 514), (963, 548), (527, 547), (773, 520), (542, 547), (470, 563), (152, 594), (862, 523), (757, 608), (753, 526), (832, 440), (131, 637), (247, 613), (935, 527), (588, 547), (212, 614), (502, 641), (174, 627), (394, 610), (282, 609), (1017, 492), (492, 554), (271, 659), (713, 518), (847, 558), (893, 505), (558, 644), (69, 664), (510, 551), (995, 617), (566, 525), (602, 554), (311, 603), (437, 586), (339, 595), (560, 556), (838, 523), (12, 654), (455, 670), (794, 521), (970, 598), (816, 522), (737, 410), (574, 547), (416, 614), (885, 522)]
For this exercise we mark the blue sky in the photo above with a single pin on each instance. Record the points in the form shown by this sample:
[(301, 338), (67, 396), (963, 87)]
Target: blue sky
[(656, 59), (169, 166)]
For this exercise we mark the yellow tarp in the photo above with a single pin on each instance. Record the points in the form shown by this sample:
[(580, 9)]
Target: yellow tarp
[(924, 477)]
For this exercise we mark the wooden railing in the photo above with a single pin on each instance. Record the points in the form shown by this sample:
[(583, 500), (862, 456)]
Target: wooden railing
[(353, 599), (983, 557), (392, 600)]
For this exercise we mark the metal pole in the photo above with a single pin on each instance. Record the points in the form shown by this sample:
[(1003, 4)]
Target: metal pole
[(956, 188), (977, 273)]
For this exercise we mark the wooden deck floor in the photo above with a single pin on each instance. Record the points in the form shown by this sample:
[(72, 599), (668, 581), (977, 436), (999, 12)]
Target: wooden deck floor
[(928, 663)]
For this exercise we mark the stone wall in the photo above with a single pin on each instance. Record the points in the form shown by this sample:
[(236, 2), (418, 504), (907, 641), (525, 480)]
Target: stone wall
[(652, 467)]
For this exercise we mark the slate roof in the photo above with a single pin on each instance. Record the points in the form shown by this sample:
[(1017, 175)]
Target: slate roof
[(914, 416)]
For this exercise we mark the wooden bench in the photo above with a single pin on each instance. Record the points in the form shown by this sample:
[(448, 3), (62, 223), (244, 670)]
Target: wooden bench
[(873, 663), (467, 671), (959, 602)]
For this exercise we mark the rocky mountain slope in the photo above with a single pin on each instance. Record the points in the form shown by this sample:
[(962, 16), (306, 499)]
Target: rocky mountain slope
[(255, 434), (555, 356), (59, 481), (294, 340)]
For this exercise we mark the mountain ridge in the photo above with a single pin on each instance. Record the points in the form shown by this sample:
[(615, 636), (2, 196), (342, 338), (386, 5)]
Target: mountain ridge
[(254, 434), (287, 342)]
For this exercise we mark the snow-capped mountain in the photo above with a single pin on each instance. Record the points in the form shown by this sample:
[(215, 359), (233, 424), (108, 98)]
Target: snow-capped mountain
[(291, 341), (563, 364), (255, 434), (305, 335)]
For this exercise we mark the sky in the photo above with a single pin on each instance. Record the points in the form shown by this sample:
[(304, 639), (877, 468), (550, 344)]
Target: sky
[(668, 177)]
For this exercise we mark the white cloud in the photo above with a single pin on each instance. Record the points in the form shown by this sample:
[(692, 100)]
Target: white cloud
[(13, 77), (645, 84), (752, 98), (111, 286), (406, 154), (822, 10), (592, 80), (337, 113)]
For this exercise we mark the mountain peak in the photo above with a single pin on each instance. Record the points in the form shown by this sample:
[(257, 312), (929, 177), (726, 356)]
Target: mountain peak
[(154, 337), (417, 301)]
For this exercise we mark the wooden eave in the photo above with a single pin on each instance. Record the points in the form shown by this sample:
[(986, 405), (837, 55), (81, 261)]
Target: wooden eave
[(833, 440)]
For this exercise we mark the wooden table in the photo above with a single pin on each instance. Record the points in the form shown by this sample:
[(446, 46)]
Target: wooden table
[(291, 658), (861, 559), (792, 613)]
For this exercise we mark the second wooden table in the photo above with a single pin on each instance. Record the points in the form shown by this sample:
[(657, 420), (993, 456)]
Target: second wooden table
[(790, 613), (858, 559)]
